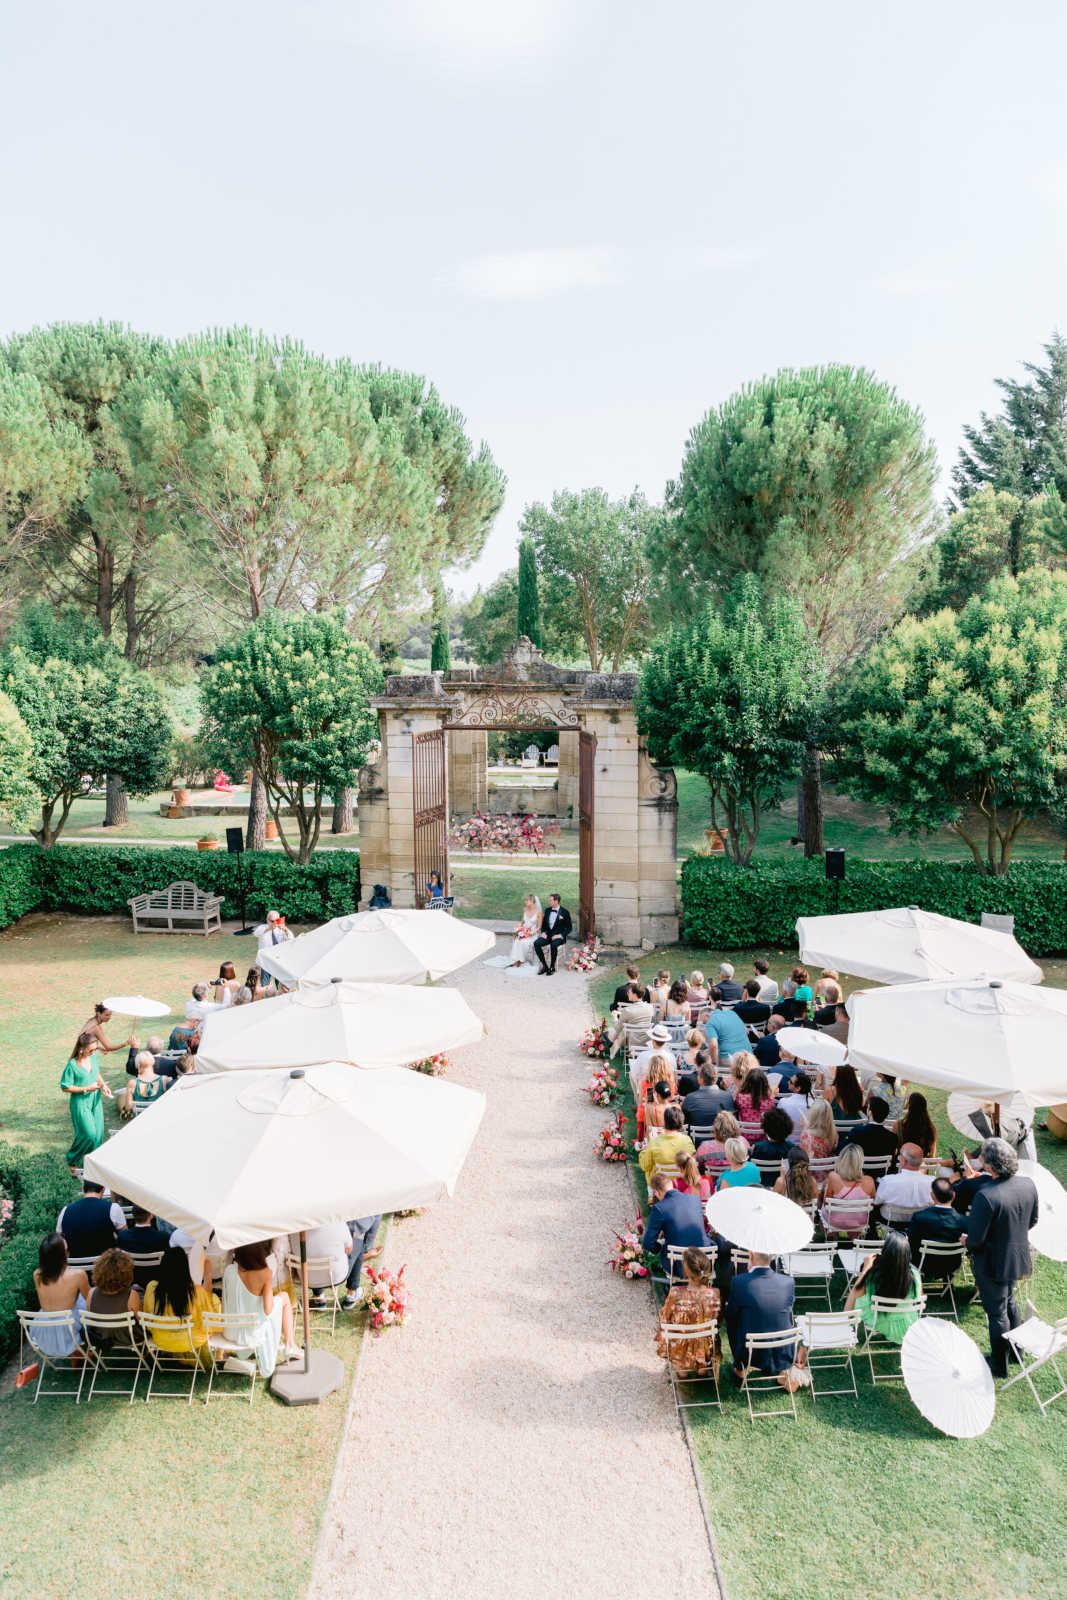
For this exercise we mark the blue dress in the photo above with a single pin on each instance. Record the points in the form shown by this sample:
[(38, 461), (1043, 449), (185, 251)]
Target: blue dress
[(56, 1341)]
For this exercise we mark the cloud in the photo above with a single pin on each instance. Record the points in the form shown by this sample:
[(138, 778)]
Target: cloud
[(533, 274)]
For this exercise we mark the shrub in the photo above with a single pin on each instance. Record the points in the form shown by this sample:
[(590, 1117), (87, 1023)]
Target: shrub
[(736, 908), (20, 889), (40, 1186)]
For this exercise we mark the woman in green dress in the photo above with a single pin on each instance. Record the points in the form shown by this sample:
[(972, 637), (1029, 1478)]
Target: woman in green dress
[(82, 1081), (889, 1276)]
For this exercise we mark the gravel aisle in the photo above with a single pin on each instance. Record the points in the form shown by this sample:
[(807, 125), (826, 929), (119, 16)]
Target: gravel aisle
[(517, 1437)]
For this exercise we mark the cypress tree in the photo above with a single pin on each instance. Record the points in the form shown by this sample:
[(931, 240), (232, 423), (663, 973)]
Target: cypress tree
[(529, 609), (440, 651)]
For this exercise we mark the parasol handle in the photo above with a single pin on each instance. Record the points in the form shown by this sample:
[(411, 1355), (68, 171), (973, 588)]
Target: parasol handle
[(304, 1298)]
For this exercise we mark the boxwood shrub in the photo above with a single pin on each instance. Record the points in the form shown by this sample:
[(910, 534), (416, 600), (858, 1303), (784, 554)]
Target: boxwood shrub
[(20, 887), (736, 908), (40, 1186)]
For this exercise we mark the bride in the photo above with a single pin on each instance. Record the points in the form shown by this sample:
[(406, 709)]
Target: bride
[(527, 930)]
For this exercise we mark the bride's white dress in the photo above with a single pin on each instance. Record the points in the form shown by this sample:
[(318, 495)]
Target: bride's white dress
[(522, 949)]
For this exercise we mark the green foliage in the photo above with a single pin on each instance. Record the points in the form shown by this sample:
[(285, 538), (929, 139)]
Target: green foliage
[(41, 630), (1024, 449), (995, 533), (964, 710), (20, 882), (20, 801), (730, 697), (819, 481), (40, 1186), (440, 652), (726, 908), (528, 609), (294, 691), (490, 619), (595, 574)]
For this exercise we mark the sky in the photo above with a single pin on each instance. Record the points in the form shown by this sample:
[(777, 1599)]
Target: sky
[(588, 222)]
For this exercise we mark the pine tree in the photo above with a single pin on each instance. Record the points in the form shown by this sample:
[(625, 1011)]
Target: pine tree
[(529, 612), (1024, 449), (440, 650)]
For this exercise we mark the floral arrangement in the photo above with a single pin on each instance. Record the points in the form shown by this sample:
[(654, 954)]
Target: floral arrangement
[(603, 1087), (611, 1143), (386, 1299), (506, 832), (585, 956), (7, 1211), (433, 1066), (627, 1257), (596, 1041)]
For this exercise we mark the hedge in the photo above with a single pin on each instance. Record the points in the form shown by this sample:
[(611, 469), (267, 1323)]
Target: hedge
[(99, 880), (40, 1186), (737, 908)]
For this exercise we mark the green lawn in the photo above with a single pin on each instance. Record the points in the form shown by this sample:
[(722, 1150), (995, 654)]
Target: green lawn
[(498, 893), (220, 1499), (864, 1496), (86, 821)]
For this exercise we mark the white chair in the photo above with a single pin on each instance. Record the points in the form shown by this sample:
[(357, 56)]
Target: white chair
[(876, 1166), (699, 1133), (850, 1215), (852, 1256), (86, 1263), (77, 1363), (751, 1131), (740, 1260), (145, 1264), (830, 1338), (118, 1349), (848, 1125), (768, 1169), (876, 1344), (675, 1252), (1037, 1344), (334, 1291), (230, 1341), (821, 1168), (811, 1270), (679, 1333), (755, 1383), (940, 1260), (186, 1359)]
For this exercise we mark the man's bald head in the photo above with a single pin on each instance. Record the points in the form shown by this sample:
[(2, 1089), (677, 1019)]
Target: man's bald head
[(911, 1157)]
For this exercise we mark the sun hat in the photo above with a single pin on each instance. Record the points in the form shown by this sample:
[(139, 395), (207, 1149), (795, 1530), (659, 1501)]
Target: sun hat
[(660, 1033)]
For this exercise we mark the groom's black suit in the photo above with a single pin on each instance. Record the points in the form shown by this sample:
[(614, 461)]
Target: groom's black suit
[(555, 931)]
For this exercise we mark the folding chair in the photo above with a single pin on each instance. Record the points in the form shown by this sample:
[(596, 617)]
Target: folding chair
[(1036, 1344), (145, 1265), (754, 1382), (939, 1262), (334, 1291), (830, 1337), (767, 1169), (855, 1210), (852, 1256), (876, 1166), (811, 1270), (111, 1355), (33, 1323), (698, 1133), (821, 1168), (675, 1252), (876, 1344), (848, 1125), (677, 1333), (230, 1344), (86, 1263), (185, 1360), (751, 1131), (740, 1260)]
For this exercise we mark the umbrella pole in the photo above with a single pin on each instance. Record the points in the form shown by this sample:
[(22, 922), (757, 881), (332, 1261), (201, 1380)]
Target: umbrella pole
[(321, 1372), (304, 1298), (996, 1118)]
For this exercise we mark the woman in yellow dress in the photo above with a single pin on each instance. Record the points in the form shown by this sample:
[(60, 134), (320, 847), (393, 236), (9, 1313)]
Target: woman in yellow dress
[(174, 1294)]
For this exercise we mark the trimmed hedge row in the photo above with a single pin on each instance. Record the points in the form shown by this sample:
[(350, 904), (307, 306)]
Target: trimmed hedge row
[(40, 1187), (98, 880), (736, 908)]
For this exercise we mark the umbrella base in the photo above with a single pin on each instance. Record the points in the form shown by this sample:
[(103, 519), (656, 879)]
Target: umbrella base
[(295, 1387)]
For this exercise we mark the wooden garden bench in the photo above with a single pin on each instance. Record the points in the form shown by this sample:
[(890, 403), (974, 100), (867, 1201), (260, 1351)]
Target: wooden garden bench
[(176, 908)]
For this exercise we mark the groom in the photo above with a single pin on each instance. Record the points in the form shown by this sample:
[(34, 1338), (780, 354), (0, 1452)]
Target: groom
[(555, 931)]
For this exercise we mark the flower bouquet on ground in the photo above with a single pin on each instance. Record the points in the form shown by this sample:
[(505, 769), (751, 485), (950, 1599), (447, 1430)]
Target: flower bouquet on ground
[(596, 1041), (627, 1257), (603, 1087), (433, 1066), (586, 956), (611, 1144), (386, 1300)]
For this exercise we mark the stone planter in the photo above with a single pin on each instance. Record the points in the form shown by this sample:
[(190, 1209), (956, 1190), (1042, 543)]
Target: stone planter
[(182, 797), (175, 811)]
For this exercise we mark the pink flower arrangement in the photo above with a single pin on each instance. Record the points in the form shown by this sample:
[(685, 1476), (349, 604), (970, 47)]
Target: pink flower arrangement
[(433, 1066), (611, 1143), (596, 1042), (505, 832), (386, 1299), (603, 1087), (585, 956), (627, 1257)]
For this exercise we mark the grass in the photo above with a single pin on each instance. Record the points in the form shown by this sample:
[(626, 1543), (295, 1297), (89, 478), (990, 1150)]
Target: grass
[(865, 1495), (86, 822), (497, 893), (224, 1498)]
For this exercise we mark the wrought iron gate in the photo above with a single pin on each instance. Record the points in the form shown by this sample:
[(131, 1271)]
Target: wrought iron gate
[(586, 762), (431, 810)]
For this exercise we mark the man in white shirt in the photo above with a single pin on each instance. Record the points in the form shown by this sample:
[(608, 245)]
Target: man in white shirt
[(333, 1242), (768, 987), (199, 1006), (660, 1039), (900, 1194), (795, 1104), (273, 931)]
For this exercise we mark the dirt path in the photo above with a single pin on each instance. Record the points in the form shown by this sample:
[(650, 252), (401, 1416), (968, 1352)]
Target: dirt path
[(517, 1437)]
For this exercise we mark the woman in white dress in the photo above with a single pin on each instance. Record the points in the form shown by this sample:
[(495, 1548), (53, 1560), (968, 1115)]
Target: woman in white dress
[(522, 949)]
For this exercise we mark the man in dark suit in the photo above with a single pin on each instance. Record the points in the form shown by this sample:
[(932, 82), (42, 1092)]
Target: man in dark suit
[(938, 1222), (728, 986), (555, 931), (761, 1301), (704, 1104), (633, 980), (674, 1218), (766, 1050), (998, 1230), (873, 1137), (752, 1009)]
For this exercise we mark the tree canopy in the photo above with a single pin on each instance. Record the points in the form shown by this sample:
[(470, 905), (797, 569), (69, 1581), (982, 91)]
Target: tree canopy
[(490, 619), (20, 801), (1022, 450), (528, 609), (995, 533)]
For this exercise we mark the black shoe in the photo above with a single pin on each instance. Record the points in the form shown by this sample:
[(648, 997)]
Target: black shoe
[(998, 1372), (543, 972)]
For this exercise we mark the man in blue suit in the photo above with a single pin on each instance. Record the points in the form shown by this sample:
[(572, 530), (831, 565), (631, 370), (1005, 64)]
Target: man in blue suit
[(761, 1301), (675, 1218)]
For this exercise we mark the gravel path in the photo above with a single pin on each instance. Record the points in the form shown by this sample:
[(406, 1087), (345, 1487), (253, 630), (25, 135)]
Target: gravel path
[(517, 1436)]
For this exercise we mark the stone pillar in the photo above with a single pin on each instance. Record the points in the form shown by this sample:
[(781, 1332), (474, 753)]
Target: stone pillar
[(616, 840), (468, 770), (657, 833), (567, 788), (386, 807)]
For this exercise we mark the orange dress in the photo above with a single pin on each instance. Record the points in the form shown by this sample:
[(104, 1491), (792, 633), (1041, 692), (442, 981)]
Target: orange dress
[(689, 1303)]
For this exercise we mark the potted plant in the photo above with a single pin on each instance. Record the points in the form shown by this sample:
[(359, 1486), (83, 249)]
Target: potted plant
[(271, 830), (716, 840), (181, 797), (208, 841)]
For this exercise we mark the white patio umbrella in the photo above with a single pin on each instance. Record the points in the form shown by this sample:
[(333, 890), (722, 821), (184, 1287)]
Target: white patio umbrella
[(808, 1045), (961, 1108), (367, 1024), (378, 947), (758, 1219), (947, 1377), (1049, 1234), (136, 1005), (991, 1039), (249, 1155), (906, 945)]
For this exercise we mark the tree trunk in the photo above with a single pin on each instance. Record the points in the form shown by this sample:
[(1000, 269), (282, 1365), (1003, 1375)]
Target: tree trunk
[(105, 585), (811, 778), (133, 628), (798, 831), (117, 812), (344, 811), (256, 830)]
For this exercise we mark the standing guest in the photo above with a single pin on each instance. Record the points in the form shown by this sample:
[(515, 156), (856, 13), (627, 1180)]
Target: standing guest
[(113, 1292), (938, 1222), (916, 1126), (761, 1301), (364, 1231), (847, 1102), (90, 1225), (741, 1172), (713, 1151), (875, 1138), (847, 1182), (674, 1218), (660, 989), (767, 1050), (704, 1104), (555, 931), (974, 1177), (690, 1179), (754, 1097), (796, 1179), (146, 1087), (889, 1275), (248, 1290), (662, 1151), (730, 990), (172, 1293), (95, 1028), (273, 931), (754, 1012), (774, 1146), (689, 1304), (725, 1032), (901, 1194), (998, 1241), (797, 1103), (768, 986), (254, 980), (819, 1137), (60, 1287), (633, 980), (81, 1080)]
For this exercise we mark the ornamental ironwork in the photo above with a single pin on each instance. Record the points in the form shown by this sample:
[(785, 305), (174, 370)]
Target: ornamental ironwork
[(493, 707)]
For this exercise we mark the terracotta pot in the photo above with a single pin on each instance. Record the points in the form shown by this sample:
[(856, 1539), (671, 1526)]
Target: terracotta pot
[(272, 828), (716, 840), (207, 844), (181, 797), (1057, 1121), (175, 811)]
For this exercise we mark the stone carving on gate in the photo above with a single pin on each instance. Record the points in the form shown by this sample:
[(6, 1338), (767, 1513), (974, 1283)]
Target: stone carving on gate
[(498, 707)]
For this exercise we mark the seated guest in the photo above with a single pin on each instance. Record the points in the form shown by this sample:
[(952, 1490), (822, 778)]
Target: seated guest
[(768, 986), (676, 1007), (696, 1046), (847, 1182), (635, 1014), (798, 1101), (741, 1172), (174, 1294), (713, 1151), (243, 996), (827, 988), (690, 1179), (146, 1087), (143, 1238), (90, 1225), (113, 1293), (766, 1050), (632, 981), (754, 1097), (662, 1151), (874, 1137), (674, 1218), (259, 982), (696, 989), (916, 1125), (154, 1047), (891, 1276), (974, 1177), (730, 990), (60, 1287), (939, 1222), (796, 1180), (819, 1137), (847, 1102), (901, 1194), (659, 989), (658, 1041), (803, 994), (660, 1070), (761, 1301), (702, 1106), (884, 1087), (726, 1034), (836, 1024), (248, 1290), (200, 1006), (774, 1146), (183, 1036), (688, 1304), (661, 1096), (753, 1011)]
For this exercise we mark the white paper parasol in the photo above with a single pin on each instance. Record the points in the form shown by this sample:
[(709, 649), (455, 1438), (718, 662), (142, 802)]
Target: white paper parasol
[(817, 1049), (906, 945), (758, 1219), (947, 1377), (378, 947), (136, 1005), (961, 1107), (1049, 1235)]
